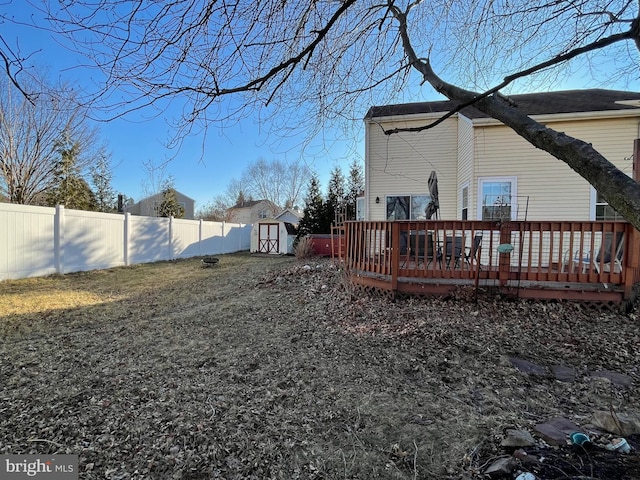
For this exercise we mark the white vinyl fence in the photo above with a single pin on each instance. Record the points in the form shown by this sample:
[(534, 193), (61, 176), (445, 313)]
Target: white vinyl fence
[(37, 241)]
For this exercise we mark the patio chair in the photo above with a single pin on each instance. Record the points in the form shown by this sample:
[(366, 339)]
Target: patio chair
[(583, 261), (424, 246), (607, 255), (453, 251), (405, 249), (404, 244), (473, 251)]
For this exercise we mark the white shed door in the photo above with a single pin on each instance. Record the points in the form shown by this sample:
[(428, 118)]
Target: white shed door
[(269, 238)]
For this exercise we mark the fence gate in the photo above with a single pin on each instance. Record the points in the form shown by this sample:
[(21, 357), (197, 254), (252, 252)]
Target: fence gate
[(269, 238)]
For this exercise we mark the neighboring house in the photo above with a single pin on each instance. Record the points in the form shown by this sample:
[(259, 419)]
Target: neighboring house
[(252, 211), (484, 169), (149, 206), (290, 215)]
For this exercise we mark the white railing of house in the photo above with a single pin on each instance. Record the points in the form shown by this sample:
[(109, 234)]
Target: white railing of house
[(36, 241)]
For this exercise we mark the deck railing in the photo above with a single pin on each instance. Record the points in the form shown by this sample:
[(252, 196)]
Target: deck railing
[(597, 253)]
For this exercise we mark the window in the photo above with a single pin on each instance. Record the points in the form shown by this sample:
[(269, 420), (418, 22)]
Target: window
[(497, 198), (464, 202), (262, 214), (407, 207), (604, 211), (360, 208)]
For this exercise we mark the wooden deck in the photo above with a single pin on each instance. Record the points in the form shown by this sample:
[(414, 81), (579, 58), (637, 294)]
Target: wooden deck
[(584, 261)]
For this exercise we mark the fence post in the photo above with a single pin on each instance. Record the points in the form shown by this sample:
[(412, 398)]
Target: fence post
[(58, 238), (222, 237), (171, 238), (127, 234), (200, 229)]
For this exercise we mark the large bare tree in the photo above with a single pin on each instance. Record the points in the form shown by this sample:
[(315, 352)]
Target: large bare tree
[(306, 63), (31, 132), (280, 182)]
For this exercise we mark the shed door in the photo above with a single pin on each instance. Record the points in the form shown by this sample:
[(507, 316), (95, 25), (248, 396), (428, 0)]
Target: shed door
[(268, 238)]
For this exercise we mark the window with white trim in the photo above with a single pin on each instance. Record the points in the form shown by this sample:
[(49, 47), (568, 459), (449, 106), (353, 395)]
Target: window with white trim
[(497, 198), (603, 210), (464, 202), (360, 208)]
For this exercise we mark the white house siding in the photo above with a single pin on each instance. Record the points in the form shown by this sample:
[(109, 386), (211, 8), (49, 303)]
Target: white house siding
[(400, 164), (251, 214), (465, 164), (554, 191), (146, 206)]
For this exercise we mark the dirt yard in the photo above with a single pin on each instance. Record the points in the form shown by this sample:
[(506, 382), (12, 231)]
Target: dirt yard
[(273, 368)]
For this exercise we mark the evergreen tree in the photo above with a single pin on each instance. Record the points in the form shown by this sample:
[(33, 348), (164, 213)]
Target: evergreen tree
[(68, 188), (313, 218), (355, 186), (170, 207), (106, 199), (335, 196)]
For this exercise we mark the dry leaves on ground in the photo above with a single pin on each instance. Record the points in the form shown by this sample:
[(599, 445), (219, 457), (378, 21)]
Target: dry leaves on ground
[(267, 367)]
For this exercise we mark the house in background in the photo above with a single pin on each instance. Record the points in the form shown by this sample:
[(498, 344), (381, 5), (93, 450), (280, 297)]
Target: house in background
[(290, 215), (150, 206), (484, 169), (252, 211)]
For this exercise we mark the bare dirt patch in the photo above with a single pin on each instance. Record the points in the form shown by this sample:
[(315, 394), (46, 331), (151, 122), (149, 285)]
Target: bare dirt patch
[(267, 367)]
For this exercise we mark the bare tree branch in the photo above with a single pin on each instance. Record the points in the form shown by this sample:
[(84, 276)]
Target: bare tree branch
[(8, 64), (621, 191)]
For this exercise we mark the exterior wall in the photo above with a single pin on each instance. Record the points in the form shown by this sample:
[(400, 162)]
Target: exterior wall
[(461, 150), (38, 241), (400, 164), (189, 206), (554, 191), (145, 207), (241, 215), (289, 216), (465, 164), (252, 214)]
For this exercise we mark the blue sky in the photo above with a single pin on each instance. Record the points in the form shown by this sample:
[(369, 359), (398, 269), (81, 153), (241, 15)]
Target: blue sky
[(202, 168)]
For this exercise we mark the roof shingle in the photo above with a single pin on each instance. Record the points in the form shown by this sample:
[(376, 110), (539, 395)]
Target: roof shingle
[(568, 101)]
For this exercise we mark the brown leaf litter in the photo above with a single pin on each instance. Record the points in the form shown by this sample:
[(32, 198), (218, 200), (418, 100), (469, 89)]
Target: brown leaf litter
[(268, 367)]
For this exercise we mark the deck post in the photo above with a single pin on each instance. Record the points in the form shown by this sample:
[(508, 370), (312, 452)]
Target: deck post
[(395, 255), (504, 259), (631, 260), (347, 237)]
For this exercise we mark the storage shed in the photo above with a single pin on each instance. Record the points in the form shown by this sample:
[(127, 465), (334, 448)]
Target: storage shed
[(273, 236)]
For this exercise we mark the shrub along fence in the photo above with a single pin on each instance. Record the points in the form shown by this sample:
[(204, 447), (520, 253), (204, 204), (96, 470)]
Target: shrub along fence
[(37, 241)]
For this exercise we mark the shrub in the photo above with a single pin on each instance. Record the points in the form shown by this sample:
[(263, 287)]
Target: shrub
[(304, 248)]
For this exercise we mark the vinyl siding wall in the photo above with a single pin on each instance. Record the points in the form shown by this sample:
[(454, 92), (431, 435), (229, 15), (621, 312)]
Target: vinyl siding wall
[(465, 165), (400, 164), (554, 191)]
